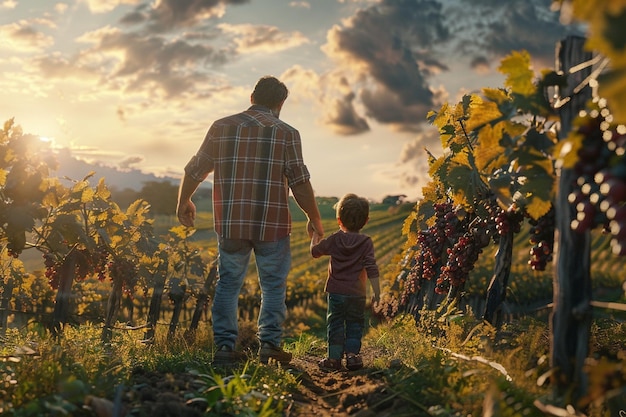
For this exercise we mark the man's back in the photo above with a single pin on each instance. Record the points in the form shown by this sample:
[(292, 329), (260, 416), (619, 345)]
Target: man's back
[(254, 155)]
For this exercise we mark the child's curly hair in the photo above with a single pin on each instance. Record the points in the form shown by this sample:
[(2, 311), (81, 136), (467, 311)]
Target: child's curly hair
[(353, 211)]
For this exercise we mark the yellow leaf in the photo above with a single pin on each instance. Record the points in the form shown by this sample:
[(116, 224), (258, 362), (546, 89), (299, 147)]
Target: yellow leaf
[(566, 151), (3, 177), (488, 151), (102, 191), (496, 95), (537, 207), (431, 191), (435, 166), (87, 195), (519, 75), (482, 112), (461, 158), (442, 116)]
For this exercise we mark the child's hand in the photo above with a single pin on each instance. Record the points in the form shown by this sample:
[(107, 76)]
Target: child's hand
[(375, 299), (315, 238)]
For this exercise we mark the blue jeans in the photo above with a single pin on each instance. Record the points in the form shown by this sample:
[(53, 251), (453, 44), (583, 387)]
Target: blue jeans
[(273, 262), (345, 321)]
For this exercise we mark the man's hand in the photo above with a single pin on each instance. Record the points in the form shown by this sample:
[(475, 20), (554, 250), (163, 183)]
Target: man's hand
[(315, 239), (186, 212), (315, 228)]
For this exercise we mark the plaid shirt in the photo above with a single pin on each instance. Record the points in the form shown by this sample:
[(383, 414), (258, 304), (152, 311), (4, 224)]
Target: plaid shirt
[(255, 158)]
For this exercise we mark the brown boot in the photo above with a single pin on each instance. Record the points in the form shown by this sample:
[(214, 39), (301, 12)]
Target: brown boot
[(269, 352)]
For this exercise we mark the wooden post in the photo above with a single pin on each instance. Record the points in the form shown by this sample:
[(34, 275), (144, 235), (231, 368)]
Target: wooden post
[(7, 294), (155, 304), (67, 273), (202, 301), (496, 293), (571, 316)]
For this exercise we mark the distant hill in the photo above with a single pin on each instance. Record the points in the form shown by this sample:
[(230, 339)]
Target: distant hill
[(77, 169)]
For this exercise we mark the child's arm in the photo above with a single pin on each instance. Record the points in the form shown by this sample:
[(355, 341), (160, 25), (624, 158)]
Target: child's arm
[(376, 288), (315, 239)]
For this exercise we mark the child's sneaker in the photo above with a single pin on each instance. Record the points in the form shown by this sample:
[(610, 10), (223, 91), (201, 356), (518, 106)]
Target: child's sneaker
[(353, 362), (269, 351), (328, 364)]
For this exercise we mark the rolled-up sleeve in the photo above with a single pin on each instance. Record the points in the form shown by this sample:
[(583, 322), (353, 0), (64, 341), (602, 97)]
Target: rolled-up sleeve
[(295, 169), (201, 164)]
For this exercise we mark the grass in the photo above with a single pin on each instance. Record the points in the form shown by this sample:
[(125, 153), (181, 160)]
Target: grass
[(434, 367)]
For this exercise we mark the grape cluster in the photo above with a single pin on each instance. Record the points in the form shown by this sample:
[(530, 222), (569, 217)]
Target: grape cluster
[(124, 270), (85, 263), (461, 258), (599, 193), (505, 221), (430, 251), (541, 240), (52, 270)]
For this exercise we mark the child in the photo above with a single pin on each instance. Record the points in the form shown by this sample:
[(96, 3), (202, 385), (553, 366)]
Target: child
[(351, 262)]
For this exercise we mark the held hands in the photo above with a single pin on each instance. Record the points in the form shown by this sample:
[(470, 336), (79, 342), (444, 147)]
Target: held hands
[(315, 239), (316, 228)]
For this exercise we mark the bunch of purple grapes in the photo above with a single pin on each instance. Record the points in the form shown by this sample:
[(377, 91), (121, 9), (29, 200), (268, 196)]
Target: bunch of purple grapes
[(52, 270), (125, 270), (430, 249), (462, 256), (599, 194), (541, 240), (504, 220)]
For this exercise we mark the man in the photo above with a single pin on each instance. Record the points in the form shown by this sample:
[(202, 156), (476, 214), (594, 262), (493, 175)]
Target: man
[(256, 158)]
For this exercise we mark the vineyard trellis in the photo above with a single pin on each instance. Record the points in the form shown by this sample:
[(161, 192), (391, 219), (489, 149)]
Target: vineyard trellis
[(513, 155)]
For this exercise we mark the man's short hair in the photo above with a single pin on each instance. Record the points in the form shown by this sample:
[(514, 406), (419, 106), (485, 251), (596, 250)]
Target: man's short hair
[(269, 92), (353, 211)]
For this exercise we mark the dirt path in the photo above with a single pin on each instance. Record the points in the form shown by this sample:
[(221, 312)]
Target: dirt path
[(361, 393)]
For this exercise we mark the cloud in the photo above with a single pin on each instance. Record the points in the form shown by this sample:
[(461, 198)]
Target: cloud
[(104, 6), (343, 118), (23, 36), (8, 4), (386, 52), (166, 15), (302, 4), (138, 62), (412, 164), (128, 162), (493, 28), (262, 38)]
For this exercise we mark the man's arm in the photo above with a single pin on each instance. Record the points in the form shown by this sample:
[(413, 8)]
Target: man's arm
[(305, 197), (186, 209)]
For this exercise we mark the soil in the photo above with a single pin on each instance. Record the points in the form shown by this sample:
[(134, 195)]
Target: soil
[(362, 393)]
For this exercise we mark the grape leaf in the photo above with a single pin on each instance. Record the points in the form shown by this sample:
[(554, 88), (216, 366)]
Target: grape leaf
[(497, 95), (488, 151), (501, 187), (482, 112), (566, 151), (519, 75), (537, 207), (464, 183)]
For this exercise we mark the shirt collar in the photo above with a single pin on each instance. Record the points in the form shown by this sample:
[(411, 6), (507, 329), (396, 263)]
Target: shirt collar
[(259, 107)]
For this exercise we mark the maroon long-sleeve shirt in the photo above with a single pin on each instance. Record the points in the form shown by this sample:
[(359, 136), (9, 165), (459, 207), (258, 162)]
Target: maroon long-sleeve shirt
[(351, 262)]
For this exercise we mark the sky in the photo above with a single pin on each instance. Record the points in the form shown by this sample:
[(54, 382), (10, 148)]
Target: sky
[(135, 84)]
